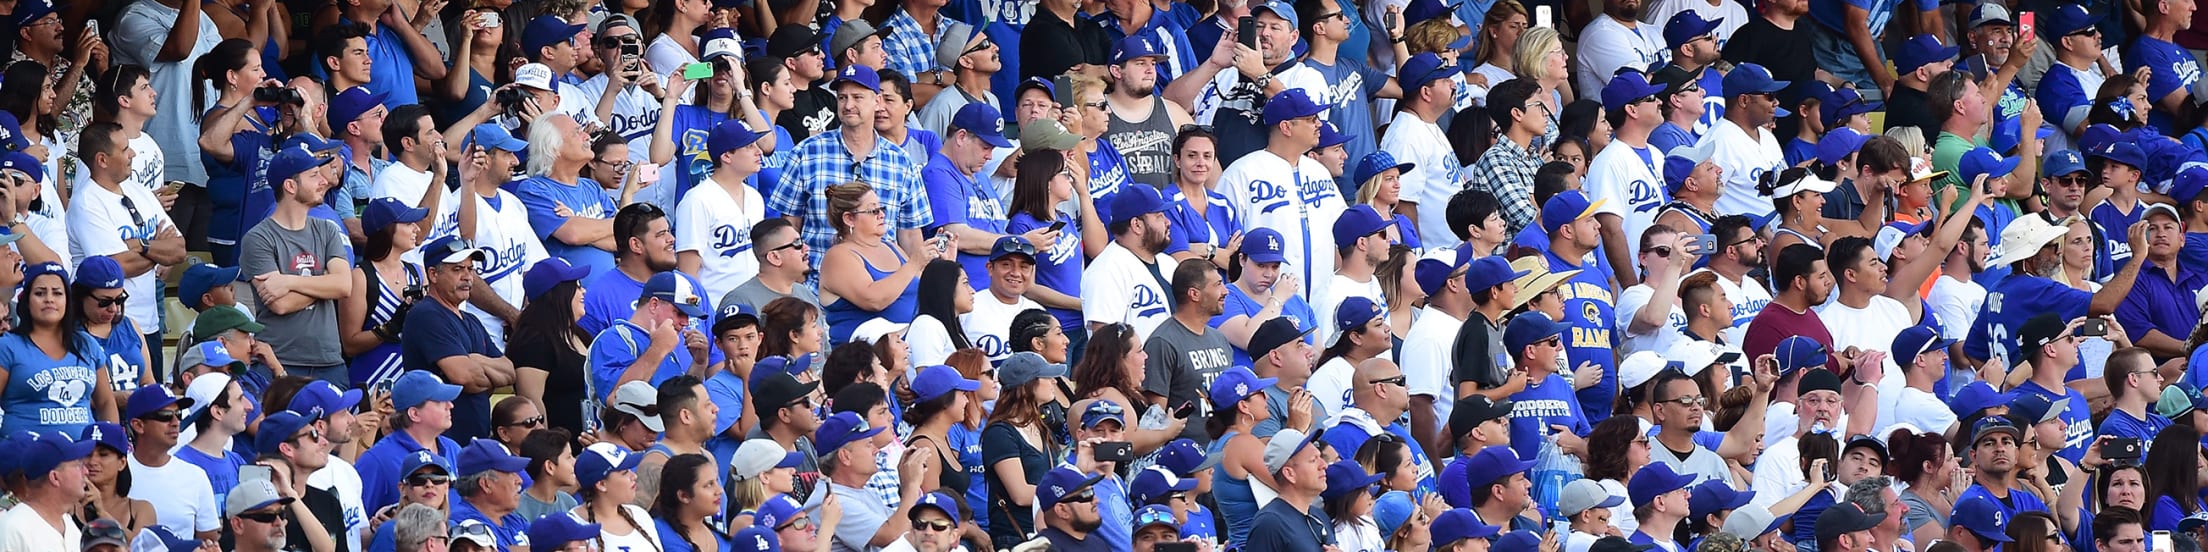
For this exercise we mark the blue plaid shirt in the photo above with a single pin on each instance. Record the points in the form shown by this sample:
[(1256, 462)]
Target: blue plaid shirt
[(822, 161), (911, 51)]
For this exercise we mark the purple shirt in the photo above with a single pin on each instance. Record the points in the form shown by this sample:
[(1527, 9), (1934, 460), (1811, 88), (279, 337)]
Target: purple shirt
[(2162, 301)]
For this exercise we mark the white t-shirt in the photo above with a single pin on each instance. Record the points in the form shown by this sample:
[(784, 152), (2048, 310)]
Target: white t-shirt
[(1259, 184), (139, 33), (1330, 386), (1871, 328), (1496, 74), (1956, 303), (666, 57), (717, 226), (1437, 176), (341, 479), (1748, 297), (180, 493), (1621, 516), (927, 343), (146, 170), (1629, 184), (635, 112), (1730, 16), (1118, 287), (23, 530), (1778, 471), (1908, 405), (52, 231), (98, 224), (989, 326), (1340, 288), (572, 103), (1607, 45), (403, 183), (1429, 357), (502, 230), (644, 537), (1743, 159), (1667, 334)]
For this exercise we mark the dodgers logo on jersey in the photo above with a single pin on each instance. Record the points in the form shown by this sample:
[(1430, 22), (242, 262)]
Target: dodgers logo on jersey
[(728, 241), (1148, 302), (1645, 196), (993, 346)]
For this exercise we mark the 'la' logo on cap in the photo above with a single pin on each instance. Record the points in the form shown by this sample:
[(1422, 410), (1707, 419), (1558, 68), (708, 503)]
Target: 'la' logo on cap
[(851, 71)]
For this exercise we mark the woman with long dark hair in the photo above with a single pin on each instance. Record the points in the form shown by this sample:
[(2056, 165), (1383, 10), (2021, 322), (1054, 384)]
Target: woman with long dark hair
[(945, 297), (548, 345), (789, 327), (47, 345), (1927, 463), (236, 140), (1237, 405), (606, 489), (675, 23), (1390, 457), (34, 113), (479, 49), (1112, 369), (689, 495), (772, 92), (108, 470), (1046, 181), (941, 399), (1036, 331), (102, 305), (2174, 464), (1613, 471), (1018, 444), (2035, 531), (385, 286)]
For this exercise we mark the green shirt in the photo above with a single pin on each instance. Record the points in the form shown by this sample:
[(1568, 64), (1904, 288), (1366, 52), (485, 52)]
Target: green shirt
[(1946, 154)]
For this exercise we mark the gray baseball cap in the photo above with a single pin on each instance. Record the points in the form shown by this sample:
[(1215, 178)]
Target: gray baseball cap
[(1026, 366), (1285, 445), (1580, 495)]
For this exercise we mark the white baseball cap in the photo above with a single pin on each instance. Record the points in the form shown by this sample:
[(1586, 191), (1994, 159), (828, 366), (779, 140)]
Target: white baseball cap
[(534, 75)]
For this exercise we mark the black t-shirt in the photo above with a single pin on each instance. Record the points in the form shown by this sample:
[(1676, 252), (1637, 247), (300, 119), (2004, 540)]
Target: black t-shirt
[(1050, 45), (1480, 355), (1785, 52), (563, 385), (1909, 107), (812, 112)]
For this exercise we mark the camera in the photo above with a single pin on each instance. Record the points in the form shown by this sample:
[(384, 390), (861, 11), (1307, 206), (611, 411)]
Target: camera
[(510, 100), (280, 95)]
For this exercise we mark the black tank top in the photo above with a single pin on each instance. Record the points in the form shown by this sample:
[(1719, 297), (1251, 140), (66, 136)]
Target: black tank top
[(1147, 144)]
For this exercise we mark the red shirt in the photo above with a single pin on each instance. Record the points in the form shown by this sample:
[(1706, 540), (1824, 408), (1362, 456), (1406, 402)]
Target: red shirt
[(1776, 323)]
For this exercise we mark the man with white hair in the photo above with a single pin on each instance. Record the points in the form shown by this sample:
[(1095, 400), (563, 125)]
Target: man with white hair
[(572, 214)]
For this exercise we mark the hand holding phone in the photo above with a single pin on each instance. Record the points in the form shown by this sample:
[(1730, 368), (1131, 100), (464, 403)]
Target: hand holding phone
[(1187, 409), (1245, 31), (697, 71), (2024, 25), (1115, 451)]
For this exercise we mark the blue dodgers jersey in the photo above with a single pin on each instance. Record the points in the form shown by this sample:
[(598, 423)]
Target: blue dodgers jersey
[(2174, 68), (2015, 299), (2080, 430)]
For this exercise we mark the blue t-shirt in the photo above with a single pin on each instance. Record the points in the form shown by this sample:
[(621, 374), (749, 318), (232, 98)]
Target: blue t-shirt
[(433, 333), (239, 190), (1239, 303), (612, 297), (1591, 311), (543, 196), (379, 467), (956, 198), (1547, 402), (1669, 136), (47, 395), (2080, 433), (1833, 15), (2016, 299), (2121, 424), (1059, 268), (1798, 151), (2174, 68), (616, 348), (693, 160), (391, 70), (1351, 85), (1805, 519), (674, 541), (2059, 92), (2019, 500), (126, 356), (1216, 225), (2113, 249), (2195, 252), (725, 388), (511, 529), (222, 472)]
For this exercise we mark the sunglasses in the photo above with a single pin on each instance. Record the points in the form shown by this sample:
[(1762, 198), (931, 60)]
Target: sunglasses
[(936, 525), (984, 44), (278, 516), (1084, 497), (794, 244), (310, 434), (1660, 251), (1399, 381), (161, 416), (531, 422), (425, 480)]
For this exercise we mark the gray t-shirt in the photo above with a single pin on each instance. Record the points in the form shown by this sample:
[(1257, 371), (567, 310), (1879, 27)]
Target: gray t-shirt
[(756, 295), (1181, 365), (304, 338), (863, 514), (531, 508)]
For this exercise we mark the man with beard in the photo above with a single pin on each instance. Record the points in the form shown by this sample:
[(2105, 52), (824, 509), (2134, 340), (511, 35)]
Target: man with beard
[(179, 490), (502, 230), (1136, 129), (1186, 352), (1993, 452), (1804, 281), (1363, 243), (1067, 500), (644, 245), (570, 213), (452, 344), (338, 424), (1956, 297), (1739, 250), (1126, 283), (798, 46), (294, 450), (300, 267), (973, 59), (1616, 40), (658, 341), (1628, 178), (1694, 53), (1741, 146)]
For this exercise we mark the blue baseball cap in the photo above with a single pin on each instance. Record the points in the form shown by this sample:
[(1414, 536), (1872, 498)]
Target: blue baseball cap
[(106, 434), (484, 455), (1982, 517), (2065, 20), (1984, 161), (383, 212), (350, 103), (492, 136), (415, 461), (983, 122), (600, 460), (1330, 136), (419, 386), (1378, 162), (779, 510), (548, 273), (1343, 478), (1422, 10), (451, 249), (1990, 425), (1184, 457), (1359, 221), (1688, 25), (1433, 272), (554, 530), (2120, 152), (1133, 202), (2098, 134), (1133, 47), (1715, 496), (324, 396), (152, 398), (1392, 509), (1012, 244), (2188, 184), (11, 133), (199, 278), (1749, 78), (941, 502), (1799, 352), (1567, 207), (1354, 312), (1844, 103), (31, 11), (2062, 162), (1155, 483), (841, 428), (1917, 340), (1424, 68), (1653, 480), (939, 380), (1459, 524), (860, 75), (292, 161), (1279, 8), (33, 271), (48, 450), (1062, 482), (1235, 385), (1101, 411), (547, 30), (1494, 463), (1922, 50), (1290, 104), (1677, 170), (277, 429), (1264, 245), (1156, 514), (1839, 144), (1491, 271), (100, 272), (1630, 86), (729, 135), (1977, 397), (1525, 330), (680, 290), (19, 161)]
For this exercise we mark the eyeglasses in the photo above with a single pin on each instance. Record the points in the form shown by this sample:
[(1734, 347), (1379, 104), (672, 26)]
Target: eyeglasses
[(937, 525), (531, 422), (1399, 381), (161, 416), (277, 516), (798, 522), (1689, 401), (428, 479)]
